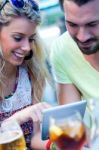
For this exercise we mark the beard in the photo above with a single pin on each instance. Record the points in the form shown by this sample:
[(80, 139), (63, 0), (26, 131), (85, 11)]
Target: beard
[(91, 46)]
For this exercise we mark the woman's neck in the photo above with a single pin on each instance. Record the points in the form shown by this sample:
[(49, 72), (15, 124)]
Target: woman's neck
[(9, 70)]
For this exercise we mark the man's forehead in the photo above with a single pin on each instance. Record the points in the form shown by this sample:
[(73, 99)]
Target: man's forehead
[(81, 14)]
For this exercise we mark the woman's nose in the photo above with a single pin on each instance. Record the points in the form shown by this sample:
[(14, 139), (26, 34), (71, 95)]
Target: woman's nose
[(26, 45)]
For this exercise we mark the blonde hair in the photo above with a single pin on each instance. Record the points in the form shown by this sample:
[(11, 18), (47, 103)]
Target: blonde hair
[(36, 64)]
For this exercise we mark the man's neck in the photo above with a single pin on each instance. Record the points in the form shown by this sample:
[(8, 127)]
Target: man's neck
[(93, 60)]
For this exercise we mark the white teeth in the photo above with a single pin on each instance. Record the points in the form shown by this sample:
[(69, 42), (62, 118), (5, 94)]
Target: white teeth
[(19, 55)]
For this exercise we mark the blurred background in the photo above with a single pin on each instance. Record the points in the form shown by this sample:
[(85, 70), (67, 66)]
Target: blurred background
[(53, 25)]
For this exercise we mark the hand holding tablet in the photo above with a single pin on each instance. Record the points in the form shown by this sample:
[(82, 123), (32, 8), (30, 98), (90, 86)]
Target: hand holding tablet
[(61, 111)]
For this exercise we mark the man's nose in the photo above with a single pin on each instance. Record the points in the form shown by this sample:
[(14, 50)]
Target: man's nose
[(83, 34)]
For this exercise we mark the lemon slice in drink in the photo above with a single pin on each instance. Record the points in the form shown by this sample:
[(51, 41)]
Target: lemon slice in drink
[(55, 132)]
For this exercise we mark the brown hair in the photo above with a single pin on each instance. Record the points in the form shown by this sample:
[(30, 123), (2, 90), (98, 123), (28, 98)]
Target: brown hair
[(78, 2)]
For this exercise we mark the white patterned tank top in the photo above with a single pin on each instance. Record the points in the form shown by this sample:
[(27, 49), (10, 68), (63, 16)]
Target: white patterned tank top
[(21, 98)]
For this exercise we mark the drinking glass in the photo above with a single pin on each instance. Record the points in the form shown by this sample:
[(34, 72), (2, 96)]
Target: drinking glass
[(94, 113), (68, 133), (11, 136)]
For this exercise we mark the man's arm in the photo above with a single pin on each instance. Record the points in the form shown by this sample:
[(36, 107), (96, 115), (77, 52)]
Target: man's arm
[(67, 93)]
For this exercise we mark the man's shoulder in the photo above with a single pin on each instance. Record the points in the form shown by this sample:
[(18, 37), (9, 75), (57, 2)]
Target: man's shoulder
[(62, 41), (64, 36), (59, 45)]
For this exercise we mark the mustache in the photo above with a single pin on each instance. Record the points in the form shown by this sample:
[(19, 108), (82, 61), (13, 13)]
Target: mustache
[(87, 41)]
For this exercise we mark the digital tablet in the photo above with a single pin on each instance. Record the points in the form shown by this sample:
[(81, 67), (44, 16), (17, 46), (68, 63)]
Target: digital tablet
[(60, 111)]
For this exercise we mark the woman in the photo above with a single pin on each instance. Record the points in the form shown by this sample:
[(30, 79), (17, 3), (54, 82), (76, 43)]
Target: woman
[(22, 64)]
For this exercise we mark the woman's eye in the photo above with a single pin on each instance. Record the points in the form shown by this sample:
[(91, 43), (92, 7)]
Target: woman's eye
[(31, 40), (17, 38)]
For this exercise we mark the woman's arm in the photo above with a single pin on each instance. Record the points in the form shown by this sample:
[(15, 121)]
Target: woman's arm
[(37, 143), (33, 112)]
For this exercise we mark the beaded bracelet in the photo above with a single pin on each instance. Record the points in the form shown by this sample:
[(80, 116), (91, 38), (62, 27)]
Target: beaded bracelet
[(50, 146)]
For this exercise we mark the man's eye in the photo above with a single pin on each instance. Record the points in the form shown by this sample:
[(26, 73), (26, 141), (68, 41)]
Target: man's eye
[(72, 25), (17, 38), (92, 25)]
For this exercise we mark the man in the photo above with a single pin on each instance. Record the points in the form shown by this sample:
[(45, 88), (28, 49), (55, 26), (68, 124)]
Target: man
[(75, 54)]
